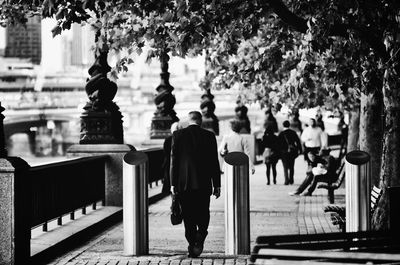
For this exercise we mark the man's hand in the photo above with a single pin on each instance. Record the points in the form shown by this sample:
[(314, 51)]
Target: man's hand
[(253, 170), (217, 192), (173, 190)]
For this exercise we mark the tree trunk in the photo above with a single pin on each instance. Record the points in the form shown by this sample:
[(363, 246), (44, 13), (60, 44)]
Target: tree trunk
[(390, 169), (371, 130), (354, 129)]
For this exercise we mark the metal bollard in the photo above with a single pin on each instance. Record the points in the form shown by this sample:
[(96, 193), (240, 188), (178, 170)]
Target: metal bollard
[(135, 204), (237, 206), (394, 209), (358, 191)]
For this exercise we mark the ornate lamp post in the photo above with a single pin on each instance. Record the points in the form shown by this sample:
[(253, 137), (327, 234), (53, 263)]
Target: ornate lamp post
[(207, 105), (101, 121), (3, 150), (165, 114), (241, 116)]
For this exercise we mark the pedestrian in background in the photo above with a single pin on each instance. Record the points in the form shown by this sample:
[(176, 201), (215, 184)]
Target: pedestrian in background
[(289, 150), (318, 119), (167, 158), (270, 143), (295, 123), (194, 173), (235, 142), (321, 169), (324, 136), (270, 121), (311, 138)]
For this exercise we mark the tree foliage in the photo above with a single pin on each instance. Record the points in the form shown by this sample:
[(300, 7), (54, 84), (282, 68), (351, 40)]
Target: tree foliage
[(305, 52)]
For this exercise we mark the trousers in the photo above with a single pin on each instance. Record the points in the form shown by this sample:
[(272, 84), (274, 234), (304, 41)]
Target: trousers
[(195, 206), (288, 167), (311, 182)]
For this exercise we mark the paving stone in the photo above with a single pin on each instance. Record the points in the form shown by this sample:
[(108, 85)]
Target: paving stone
[(92, 262), (175, 262), (186, 262)]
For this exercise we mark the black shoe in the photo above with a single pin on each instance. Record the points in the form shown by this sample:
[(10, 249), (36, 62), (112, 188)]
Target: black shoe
[(192, 253), (274, 181), (199, 243), (197, 250), (268, 183)]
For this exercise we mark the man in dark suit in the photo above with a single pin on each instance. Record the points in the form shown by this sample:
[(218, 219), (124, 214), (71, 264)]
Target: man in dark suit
[(290, 149), (194, 173)]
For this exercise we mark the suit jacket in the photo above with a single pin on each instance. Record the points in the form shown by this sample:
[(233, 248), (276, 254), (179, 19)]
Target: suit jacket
[(166, 164), (194, 160), (288, 136)]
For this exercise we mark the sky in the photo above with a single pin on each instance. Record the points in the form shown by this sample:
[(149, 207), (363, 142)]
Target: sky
[(52, 54)]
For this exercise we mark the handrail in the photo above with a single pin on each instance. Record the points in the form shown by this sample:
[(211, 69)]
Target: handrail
[(62, 187), (69, 162), (156, 160)]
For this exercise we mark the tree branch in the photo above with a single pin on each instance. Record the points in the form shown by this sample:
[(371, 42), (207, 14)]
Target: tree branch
[(287, 16), (338, 29)]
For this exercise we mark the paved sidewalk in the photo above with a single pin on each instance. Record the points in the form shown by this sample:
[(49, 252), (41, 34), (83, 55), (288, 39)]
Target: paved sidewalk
[(273, 212)]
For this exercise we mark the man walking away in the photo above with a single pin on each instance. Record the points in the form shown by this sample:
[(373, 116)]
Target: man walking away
[(194, 173), (290, 149)]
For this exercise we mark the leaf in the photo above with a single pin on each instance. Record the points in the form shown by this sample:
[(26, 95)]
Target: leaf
[(56, 31)]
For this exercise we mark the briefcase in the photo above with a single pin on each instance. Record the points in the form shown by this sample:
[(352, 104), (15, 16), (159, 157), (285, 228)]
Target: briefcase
[(176, 210)]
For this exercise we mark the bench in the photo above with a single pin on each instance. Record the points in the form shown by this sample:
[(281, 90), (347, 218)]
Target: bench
[(338, 213), (331, 187), (314, 247)]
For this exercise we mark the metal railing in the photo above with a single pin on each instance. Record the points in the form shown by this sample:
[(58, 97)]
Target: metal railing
[(156, 160), (58, 189), (156, 173), (62, 188)]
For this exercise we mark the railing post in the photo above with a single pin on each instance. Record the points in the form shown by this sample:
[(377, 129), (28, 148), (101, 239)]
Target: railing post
[(135, 203), (237, 206), (14, 211), (358, 191)]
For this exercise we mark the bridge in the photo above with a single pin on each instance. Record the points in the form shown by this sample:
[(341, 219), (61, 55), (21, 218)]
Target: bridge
[(39, 114)]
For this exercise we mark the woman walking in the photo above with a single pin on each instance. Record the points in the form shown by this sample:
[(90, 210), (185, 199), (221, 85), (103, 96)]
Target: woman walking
[(234, 142), (271, 148)]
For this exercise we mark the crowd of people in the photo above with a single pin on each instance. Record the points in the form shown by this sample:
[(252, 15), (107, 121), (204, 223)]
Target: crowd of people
[(292, 141)]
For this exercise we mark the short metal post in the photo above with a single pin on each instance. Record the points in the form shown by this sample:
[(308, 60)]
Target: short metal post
[(358, 191), (394, 209), (237, 206), (135, 203)]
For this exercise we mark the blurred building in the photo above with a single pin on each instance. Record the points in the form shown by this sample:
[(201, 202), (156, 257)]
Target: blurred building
[(82, 41), (24, 41)]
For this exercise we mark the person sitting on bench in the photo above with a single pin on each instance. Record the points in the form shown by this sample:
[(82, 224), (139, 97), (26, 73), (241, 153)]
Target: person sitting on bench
[(321, 169)]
